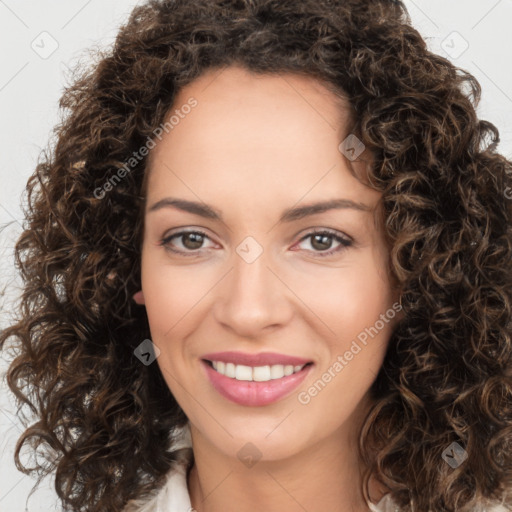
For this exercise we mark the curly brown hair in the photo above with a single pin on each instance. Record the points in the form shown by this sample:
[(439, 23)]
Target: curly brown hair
[(104, 420)]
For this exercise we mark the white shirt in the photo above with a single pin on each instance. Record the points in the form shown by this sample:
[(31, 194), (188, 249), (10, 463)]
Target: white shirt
[(173, 496)]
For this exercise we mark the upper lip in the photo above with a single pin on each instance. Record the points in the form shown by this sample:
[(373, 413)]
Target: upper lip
[(261, 359)]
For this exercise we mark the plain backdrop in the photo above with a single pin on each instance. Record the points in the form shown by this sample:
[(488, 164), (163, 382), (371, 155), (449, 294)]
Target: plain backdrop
[(41, 39)]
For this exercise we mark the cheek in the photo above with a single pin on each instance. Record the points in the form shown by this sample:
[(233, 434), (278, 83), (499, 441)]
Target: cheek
[(171, 293), (348, 298), (356, 306)]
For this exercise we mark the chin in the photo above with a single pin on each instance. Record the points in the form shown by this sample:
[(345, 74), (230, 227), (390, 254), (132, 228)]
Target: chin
[(266, 438)]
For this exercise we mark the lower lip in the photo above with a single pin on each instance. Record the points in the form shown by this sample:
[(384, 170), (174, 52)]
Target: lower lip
[(253, 393)]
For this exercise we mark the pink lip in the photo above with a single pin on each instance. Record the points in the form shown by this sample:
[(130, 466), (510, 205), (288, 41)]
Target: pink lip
[(251, 393), (261, 359)]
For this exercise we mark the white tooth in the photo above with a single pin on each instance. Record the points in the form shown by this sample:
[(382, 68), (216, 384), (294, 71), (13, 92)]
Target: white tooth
[(261, 373), (276, 371), (229, 371), (243, 372), (257, 373)]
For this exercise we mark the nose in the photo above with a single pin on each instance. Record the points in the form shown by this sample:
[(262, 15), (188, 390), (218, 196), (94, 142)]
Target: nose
[(253, 298)]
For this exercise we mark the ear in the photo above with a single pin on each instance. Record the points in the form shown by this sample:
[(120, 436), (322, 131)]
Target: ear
[(139, 297)]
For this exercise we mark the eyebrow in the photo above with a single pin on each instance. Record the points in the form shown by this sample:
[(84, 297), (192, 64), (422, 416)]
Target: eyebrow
[(289, 215)]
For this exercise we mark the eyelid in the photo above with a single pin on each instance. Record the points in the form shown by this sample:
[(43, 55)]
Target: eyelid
[(182, 231), (319, 229)]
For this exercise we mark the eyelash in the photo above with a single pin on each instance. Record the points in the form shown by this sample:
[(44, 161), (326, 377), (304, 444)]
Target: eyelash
[(344, 243)]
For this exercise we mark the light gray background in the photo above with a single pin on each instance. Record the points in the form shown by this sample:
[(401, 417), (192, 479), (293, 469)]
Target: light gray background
[(41, 39)]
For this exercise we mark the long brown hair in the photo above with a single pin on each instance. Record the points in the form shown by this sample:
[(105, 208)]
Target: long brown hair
[(104, 420)]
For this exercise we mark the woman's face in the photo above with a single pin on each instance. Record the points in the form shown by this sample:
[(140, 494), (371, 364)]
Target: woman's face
[(246, 154)]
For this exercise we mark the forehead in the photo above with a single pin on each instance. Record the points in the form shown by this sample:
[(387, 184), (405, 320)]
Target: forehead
[(234, 104), (235, 84), (242, 115), (247, 131)]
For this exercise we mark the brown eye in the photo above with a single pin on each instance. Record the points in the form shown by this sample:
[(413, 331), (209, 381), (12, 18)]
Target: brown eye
[(190, 242), (321, 242)]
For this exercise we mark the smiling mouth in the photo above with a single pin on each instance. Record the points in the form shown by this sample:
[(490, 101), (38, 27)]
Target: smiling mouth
[(264, 373)]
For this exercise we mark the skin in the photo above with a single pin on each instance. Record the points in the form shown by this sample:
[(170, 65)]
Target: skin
[(251, 148)]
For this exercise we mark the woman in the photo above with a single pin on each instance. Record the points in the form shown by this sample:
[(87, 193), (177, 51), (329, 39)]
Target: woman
[(268, 267)]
